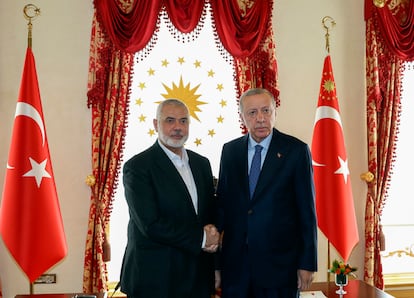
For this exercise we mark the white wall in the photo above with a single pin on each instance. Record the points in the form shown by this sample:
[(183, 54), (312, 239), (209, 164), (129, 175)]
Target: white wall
[(61, 37), (61, 48)]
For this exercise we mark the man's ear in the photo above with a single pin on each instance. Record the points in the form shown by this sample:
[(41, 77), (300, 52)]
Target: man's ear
[(155, 123), (242, 119)]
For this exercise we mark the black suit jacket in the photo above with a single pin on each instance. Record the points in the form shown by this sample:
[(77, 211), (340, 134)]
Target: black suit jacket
[(163, 257), (278, 222)]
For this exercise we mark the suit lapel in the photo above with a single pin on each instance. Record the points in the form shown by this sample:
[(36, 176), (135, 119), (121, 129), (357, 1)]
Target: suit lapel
[(196, 171), (243, 170), (166, 165)]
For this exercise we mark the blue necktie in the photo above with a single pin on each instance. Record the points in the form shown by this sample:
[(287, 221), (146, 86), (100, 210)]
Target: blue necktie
[(255, 169)]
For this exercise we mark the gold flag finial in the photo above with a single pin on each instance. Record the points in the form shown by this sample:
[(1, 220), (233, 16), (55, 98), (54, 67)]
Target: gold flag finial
[(30, 12), (327, 28)]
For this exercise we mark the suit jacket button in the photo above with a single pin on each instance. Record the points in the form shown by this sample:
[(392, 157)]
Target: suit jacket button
[(250, 212)]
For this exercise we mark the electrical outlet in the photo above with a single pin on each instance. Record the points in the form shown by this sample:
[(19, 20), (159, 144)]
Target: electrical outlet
[(46, 279)]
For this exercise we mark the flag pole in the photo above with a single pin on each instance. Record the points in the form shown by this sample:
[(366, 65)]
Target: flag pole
[(329, 262), (327, 47), (30, 12)]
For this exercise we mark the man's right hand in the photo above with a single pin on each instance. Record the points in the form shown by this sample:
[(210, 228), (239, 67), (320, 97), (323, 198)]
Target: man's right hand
[(212, 238)]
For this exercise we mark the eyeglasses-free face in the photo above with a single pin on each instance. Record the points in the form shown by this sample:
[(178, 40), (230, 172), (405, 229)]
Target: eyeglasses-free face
[(258, 115)]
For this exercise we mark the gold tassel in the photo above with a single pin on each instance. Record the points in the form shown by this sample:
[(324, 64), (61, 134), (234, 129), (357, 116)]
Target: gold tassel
[(106, 250), (381, 239)]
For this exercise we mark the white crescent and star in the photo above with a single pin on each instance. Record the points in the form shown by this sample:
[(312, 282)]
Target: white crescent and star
[(327, 112), (38, 170)]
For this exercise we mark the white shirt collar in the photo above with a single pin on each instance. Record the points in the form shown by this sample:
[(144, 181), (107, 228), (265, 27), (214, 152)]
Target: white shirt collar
[(174, 157), (265, 143)]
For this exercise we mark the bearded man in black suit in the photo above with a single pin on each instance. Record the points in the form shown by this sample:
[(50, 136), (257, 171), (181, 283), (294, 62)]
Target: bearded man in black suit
[(170, 195)]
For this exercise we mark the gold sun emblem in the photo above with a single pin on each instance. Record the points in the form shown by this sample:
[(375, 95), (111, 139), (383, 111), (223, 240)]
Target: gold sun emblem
[(186, 94), (329, 85)]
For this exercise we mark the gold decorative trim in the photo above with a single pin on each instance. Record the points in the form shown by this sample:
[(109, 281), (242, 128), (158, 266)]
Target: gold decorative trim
[(90, 180), (379, 3), (408, 251), (394, 281), (367, 177)]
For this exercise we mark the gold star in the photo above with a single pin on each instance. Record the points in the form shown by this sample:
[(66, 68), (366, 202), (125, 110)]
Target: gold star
[(219, 87), (142, 118), (197, 64), (141, 85), (151, 72), (197, 142), (223, 103), (211, 132), (151, 132), (164, 63), (138, 102), (211, 73), (220, 119), (180, 60)]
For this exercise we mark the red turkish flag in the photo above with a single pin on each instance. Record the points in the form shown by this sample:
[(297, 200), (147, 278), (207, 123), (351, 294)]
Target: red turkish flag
[(334, 200), (30, 220)]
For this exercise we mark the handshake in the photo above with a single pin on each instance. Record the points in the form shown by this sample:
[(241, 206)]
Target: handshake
[(212, 238)]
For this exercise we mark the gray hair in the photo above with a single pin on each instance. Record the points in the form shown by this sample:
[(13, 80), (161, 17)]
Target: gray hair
[(256, 91), (173, 102)]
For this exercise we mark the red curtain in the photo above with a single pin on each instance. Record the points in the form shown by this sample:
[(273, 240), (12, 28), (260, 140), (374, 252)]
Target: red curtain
[(129, 27), (245, 30), (243, 27), (121, 28), (108, 89), (240, 32), (389, 43), (240, 29), (395, 23)]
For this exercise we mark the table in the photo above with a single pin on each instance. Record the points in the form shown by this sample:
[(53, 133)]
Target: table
[(64, 295), (354, 289)]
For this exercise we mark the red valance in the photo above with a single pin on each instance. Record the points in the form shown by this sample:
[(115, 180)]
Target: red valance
[(184, 14), (241, 33), (131, 30), (240, 29), (396, 26)]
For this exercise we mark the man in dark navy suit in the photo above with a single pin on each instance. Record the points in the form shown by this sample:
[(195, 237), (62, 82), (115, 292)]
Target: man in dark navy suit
[(267, 210), (170, 195)]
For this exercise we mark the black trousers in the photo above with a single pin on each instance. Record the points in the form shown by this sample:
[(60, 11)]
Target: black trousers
[(248, 289)]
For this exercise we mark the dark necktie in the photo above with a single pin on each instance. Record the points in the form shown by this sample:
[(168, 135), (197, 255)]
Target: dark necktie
[(255, 169)]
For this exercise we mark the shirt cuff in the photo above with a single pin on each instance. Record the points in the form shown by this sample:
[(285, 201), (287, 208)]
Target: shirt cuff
[(204, 239)]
